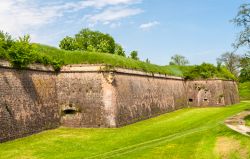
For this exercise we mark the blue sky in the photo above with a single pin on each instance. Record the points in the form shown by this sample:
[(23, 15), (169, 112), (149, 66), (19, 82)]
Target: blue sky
[(158, 29)]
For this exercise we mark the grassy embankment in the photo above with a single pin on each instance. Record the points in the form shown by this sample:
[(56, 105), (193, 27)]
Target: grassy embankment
[(244, 89), (185, 134), (80, 57)]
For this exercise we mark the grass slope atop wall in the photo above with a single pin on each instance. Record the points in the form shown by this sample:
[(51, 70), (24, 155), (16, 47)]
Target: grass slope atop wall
[(81, 57)]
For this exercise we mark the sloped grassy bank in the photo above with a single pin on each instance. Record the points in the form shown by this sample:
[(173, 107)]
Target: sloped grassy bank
[(244, 90), (80, 57), (48, 55)]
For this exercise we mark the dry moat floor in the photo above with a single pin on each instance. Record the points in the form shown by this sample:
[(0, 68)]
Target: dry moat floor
[(197, 133)]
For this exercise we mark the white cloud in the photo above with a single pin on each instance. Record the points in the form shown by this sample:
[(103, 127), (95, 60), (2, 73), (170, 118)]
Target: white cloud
[(147, 26), (115, 25), (23, 16), (102, 3), (18, 16), (112, 14)]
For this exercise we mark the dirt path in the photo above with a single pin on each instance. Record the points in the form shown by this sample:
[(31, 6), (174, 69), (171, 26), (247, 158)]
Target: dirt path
[(237, 123)]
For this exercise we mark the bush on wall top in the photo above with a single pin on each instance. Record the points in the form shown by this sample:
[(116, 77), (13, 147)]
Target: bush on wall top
[(21, 52), (206, 71)]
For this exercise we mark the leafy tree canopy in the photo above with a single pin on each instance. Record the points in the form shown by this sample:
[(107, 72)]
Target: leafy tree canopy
[(231, 61), (134, 55), (178, 60), (245, 65), (88, 40), (243, 20), (205, 71), (119, 50)]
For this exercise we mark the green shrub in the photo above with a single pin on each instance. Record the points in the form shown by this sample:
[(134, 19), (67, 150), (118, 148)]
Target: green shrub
[(223, 72), (5, 43), (205, 71), (244, 90), (68, 43), (21, 54), (88, 40), (2, 53)]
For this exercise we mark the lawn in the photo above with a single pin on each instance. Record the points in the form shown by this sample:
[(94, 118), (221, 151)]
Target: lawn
[(244, 89), (247, 119), (193, 133)]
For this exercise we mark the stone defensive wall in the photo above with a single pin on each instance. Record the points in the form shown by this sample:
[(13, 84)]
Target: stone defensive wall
[(37, 98)]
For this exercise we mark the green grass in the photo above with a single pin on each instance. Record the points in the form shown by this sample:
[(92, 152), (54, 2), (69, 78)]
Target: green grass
[(81, 57), (185, 134), (247, 119), (244, 89)]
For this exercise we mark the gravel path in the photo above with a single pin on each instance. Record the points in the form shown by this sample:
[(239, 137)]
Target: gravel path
[(237, 123)]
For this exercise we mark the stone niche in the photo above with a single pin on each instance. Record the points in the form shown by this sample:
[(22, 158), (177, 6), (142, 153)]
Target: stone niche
[(70, 115)]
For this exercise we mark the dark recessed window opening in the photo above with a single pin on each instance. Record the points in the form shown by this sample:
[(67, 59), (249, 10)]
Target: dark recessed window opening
[(205, 99), (69, 111), (190, 100)]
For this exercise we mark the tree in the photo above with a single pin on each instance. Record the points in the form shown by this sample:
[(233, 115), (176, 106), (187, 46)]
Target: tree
[(245, 68), (119, 50), (88, 40), (243, 20), (68, 43), (147, 60), (204, 71), (231, 61), (178, 60), (134, 55)]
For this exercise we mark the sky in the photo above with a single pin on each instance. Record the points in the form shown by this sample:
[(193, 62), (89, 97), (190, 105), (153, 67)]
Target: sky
[(158, 29)]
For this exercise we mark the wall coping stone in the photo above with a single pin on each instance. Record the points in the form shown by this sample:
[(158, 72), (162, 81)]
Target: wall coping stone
[(35, 67)]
